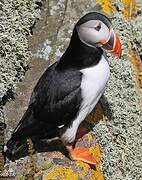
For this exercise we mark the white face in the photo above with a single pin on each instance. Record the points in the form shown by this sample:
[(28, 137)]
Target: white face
[(93, 32)]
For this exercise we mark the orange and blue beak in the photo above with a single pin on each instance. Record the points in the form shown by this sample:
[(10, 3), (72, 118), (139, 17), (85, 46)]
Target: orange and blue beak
[(113, 45)]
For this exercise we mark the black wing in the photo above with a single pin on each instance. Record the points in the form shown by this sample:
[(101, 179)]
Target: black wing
[(55, 101), (57, 96)]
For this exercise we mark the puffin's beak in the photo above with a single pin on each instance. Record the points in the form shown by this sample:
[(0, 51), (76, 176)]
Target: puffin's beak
[(113, 45)]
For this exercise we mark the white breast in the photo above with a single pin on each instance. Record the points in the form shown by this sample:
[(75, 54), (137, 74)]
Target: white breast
[(93, 84)]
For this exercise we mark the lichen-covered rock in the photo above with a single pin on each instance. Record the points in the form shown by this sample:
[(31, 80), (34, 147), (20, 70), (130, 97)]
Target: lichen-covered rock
[(121, 136), (16, 18)]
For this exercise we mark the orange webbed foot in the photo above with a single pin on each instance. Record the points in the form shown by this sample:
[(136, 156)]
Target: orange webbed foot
[(82, 154)]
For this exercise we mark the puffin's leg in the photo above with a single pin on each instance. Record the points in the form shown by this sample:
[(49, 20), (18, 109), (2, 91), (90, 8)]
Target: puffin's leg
[(81, 132), (82, 154)]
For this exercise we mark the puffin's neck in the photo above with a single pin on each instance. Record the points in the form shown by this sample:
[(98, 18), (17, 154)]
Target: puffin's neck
[(78, 55)]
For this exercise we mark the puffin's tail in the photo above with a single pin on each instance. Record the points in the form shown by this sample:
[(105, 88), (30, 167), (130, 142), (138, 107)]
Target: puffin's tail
[(17, 147), (28, 127)]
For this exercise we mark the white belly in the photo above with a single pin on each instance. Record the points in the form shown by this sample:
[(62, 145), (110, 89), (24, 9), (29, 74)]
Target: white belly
[(93, 84)]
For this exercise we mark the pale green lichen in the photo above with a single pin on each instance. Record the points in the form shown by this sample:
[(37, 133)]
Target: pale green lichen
[(16, 18)]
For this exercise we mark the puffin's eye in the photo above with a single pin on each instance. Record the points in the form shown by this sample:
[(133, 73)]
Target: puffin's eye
[(98, 27)]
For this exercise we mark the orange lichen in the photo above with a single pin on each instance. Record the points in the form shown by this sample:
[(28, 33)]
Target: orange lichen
[(97, 173), (129, 8), (137, 67), (95, 116), (96, 152), (89, 137), (106, 6), (63, 173), (85, 168)]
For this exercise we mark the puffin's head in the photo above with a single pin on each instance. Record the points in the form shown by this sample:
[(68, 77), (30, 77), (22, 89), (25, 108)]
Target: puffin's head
[(95, 30)]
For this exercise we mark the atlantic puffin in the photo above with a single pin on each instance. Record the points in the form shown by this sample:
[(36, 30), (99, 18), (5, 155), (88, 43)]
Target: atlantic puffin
[(70, 88)]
